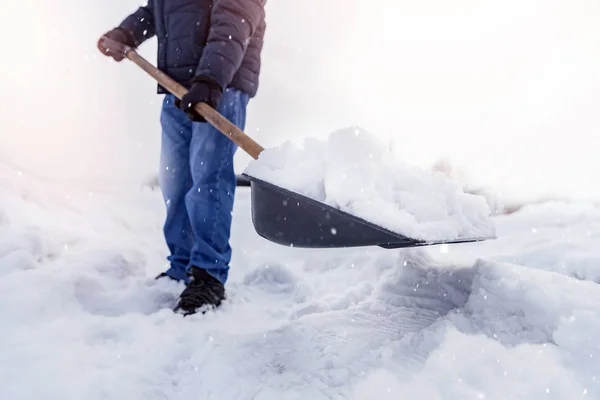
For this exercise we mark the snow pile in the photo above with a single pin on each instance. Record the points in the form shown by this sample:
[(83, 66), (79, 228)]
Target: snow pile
[(522, 334), (355, 172)]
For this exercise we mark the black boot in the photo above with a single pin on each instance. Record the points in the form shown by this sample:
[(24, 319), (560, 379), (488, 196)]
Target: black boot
[(203, 290)]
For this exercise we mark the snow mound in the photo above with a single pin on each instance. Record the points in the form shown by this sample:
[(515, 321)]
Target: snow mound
[(355, 172)]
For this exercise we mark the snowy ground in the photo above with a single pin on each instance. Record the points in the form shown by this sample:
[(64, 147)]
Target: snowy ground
[(82, 318)]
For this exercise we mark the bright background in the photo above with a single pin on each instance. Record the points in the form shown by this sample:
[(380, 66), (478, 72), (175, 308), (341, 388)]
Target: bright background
[(507, 90)]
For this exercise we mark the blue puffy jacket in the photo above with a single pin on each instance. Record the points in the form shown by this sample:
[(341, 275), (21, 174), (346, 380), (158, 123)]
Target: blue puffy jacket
[(218, 39)]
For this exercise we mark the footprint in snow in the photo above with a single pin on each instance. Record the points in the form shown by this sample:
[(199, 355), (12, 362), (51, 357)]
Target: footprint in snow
[(277, 279), (117, 298), (18, 260)]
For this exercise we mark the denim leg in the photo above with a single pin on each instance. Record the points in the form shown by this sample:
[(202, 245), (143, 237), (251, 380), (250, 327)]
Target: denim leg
[(175, 181), (210, 200)]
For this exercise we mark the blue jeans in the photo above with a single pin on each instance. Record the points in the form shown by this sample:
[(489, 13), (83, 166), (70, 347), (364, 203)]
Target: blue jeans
[(198, 185)]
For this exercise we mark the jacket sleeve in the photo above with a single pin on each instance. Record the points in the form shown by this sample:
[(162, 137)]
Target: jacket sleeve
[(232, 24), (140, 24)]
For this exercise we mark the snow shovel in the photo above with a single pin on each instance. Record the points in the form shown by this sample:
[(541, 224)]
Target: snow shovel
[(280, 215)]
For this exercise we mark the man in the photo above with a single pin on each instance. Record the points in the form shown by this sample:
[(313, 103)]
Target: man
[(212, 47)]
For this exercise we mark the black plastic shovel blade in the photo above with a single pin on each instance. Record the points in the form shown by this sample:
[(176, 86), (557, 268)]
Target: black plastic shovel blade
[(241, 181), (291, 219)]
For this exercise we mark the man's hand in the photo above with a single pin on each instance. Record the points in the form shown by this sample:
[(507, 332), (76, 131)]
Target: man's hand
[(119, 35), (203, 90)]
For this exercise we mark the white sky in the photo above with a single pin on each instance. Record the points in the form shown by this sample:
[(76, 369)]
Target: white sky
[(509, 90)]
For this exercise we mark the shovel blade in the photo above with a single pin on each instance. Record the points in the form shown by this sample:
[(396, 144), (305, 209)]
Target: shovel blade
[(291, 219)]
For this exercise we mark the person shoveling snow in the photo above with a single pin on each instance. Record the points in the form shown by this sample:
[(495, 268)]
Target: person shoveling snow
[(218, 60), (350, 188)]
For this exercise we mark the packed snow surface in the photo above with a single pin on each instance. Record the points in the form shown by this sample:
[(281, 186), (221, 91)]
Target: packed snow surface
[(83, 318), (356, 172)]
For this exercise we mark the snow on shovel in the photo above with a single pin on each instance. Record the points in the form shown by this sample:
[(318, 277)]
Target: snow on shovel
[(284, 216)]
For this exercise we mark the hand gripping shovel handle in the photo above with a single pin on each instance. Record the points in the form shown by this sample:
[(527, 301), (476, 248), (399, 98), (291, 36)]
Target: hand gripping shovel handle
[(210, 114)]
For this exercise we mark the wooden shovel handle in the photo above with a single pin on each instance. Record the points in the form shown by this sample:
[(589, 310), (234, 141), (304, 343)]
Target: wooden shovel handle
[(210, 114)]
